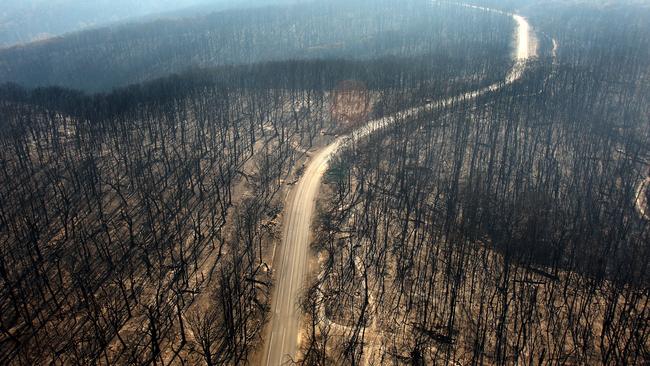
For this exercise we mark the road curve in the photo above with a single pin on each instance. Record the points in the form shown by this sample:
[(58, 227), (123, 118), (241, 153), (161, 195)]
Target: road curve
[(641, 202), (290, 266)]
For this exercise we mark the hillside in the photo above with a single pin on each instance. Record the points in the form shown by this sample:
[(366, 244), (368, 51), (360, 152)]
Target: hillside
[(105, 58)]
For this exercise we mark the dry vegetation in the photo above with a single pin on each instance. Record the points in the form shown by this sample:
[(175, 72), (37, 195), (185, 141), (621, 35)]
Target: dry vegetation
[(497, 231), (139, 226)]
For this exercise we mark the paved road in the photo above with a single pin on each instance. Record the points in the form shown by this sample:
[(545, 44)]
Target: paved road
[(291, 262)]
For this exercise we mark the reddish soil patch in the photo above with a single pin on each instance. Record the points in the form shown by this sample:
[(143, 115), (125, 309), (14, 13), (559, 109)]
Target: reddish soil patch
[(350, 103)]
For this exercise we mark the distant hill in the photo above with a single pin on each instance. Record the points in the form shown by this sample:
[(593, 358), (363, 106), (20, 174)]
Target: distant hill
[(105, 58), (23, 21)]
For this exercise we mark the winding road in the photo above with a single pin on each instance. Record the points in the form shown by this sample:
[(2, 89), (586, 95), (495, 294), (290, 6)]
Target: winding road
[(641, 201), (291, 264)]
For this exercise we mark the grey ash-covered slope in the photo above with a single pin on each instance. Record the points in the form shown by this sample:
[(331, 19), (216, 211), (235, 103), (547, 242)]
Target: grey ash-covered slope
[(101, 59)]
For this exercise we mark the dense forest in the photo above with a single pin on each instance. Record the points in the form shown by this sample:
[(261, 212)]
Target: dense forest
[(145, 170)]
